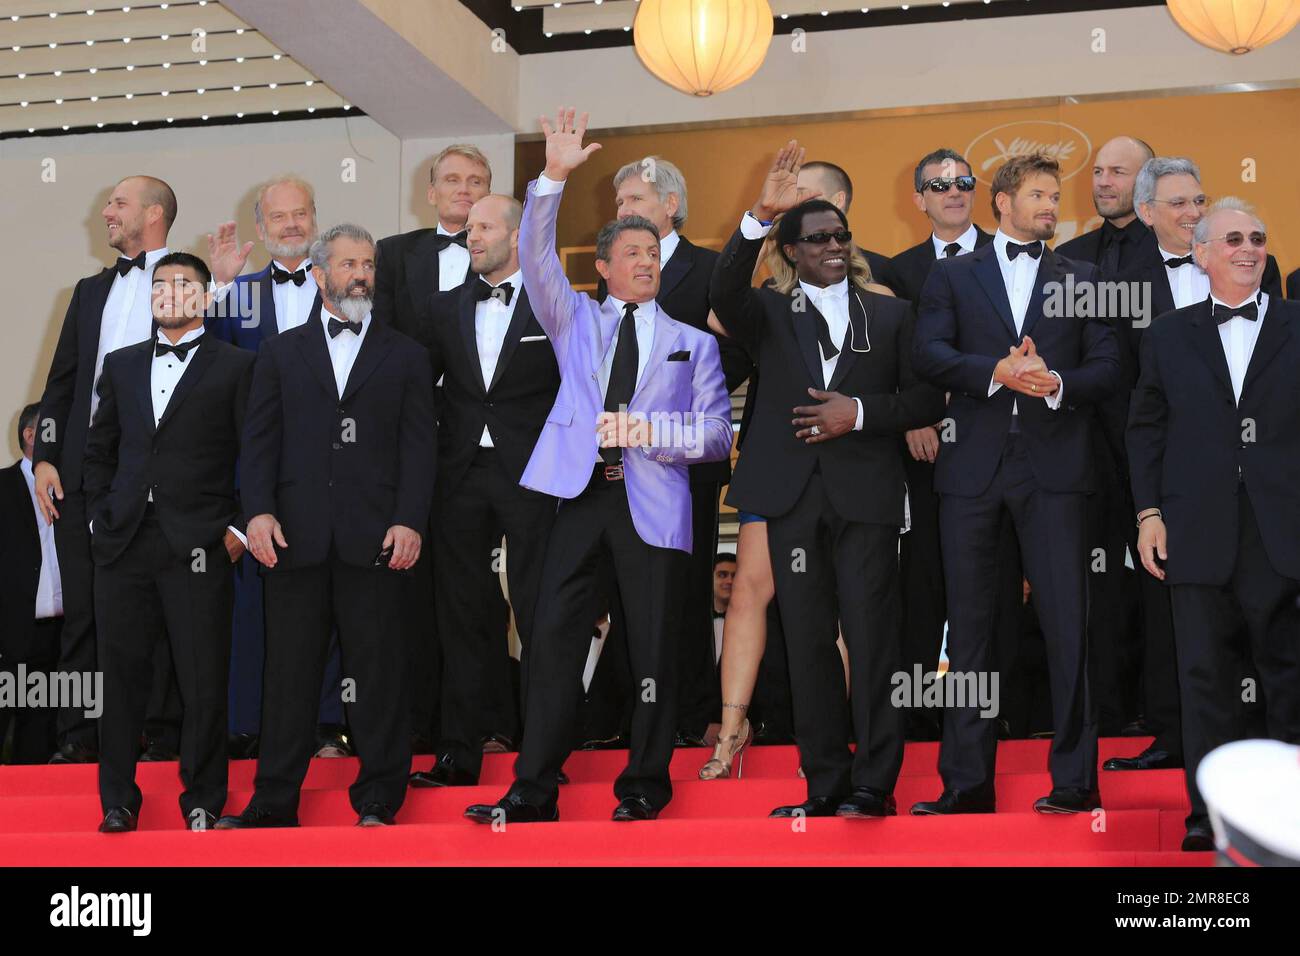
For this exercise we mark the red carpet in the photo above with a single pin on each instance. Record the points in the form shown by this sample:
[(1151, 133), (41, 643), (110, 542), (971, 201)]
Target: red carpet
[(48, 816)]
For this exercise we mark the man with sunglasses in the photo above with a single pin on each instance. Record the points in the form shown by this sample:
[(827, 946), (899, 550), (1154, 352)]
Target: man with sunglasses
[(1022, 382), (830, 482), (1214, 446), (945, 194)]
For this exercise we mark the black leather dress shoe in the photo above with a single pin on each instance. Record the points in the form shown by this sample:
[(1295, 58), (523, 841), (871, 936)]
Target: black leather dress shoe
[(634, 808), (1199, 838), (867, 802), (512, 809), (200, 819), (376, 815), (118, 820), (1068, 800), (812, 807), (75, 753), (444, 773), (956, 801), (1149, 759), (686, 739), (561, 778), (254, 818)]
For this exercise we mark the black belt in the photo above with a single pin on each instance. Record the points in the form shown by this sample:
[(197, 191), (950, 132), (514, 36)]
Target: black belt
[(602, 472)]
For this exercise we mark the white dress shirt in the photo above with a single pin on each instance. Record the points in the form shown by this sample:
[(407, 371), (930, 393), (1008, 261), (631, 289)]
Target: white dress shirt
[(343, 348), (453, 263), (644, 320), (292, 302), (49, 586), (1018, 276), (1188, 282), (966, 240), (1238, 336), (127, 317), (667, 246), (492, 319)]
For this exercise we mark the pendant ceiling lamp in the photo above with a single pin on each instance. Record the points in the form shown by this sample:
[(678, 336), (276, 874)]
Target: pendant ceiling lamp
[(1235, 26), (702, 47)]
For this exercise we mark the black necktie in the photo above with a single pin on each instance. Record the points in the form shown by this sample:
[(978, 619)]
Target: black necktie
[(951, 249), (828, 346), (280, 276), (180, 350), (1113, 238), (126, 265), (484, 290), (335, 327), (441, 242), (622, 375), (1180, 261), (1031, 249), (1224, 313)]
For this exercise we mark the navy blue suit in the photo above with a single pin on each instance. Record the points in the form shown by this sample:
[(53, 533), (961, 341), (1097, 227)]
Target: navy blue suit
[(246, 317), (1036, 466)]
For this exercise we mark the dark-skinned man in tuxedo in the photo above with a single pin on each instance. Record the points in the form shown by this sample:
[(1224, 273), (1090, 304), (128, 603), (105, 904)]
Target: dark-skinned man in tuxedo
[(1020, 406), (1214, 447)]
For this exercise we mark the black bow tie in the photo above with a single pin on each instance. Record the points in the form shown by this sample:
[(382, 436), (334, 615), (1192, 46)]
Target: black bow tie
[(335, 327), (1031, 249), (180, 350), (280, 276), (1223, 313), (441, 242), (483, 290), (1180, 261), (951, 249), (125, 265)]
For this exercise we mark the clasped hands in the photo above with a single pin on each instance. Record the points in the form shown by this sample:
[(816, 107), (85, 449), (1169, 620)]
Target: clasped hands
[(623, 430), (1024, 371)]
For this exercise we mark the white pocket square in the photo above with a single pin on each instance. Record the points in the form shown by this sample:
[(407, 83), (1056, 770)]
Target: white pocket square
[(533, 338)]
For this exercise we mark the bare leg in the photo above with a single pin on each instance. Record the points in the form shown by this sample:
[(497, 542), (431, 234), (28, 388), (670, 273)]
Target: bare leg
[(744, 637)]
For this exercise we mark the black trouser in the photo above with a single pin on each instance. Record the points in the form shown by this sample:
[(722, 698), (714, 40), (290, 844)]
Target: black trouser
[(468, 526), (77, 640), (921, 574), (147, 595), (829, 569), (302, 606), (1208, 620), (699, 697), (1050, 530), (1159, 659), (34, 727), (1114, 651), (592, 528)]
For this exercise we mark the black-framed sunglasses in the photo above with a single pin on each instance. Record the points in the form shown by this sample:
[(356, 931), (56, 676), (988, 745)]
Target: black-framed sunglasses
[(1234, 239), (941, 184), (842, 236)]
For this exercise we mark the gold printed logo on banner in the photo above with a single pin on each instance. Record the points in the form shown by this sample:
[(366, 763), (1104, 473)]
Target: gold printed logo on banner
[(1067, 144)]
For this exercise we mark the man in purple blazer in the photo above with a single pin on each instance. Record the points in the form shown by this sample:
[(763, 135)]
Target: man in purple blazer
[(641, 397)]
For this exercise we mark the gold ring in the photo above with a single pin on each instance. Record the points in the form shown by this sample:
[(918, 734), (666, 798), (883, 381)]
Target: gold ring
[(1034, 387)]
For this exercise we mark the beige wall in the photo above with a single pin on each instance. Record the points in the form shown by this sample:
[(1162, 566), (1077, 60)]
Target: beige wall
[(53, 234)]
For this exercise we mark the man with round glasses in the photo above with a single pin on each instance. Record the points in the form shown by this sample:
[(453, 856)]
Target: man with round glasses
[(1214, 445)]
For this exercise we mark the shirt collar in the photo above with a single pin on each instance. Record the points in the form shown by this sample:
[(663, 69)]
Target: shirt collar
[(1166, 255), (443, 232), (1133, 231), (189, 336), (668, 245), (1259, 296), (305, 265), (516, 280), (1000, 240), (966, 240), (150, 257), (26, 466), (839, 290), (326, 315), (644, 314)]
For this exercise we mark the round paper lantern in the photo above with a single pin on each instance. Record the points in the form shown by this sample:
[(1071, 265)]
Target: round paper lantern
[(1235, 26), (702, 47)]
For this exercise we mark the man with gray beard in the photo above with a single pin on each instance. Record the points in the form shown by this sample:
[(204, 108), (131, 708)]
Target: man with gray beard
[(337, 472)]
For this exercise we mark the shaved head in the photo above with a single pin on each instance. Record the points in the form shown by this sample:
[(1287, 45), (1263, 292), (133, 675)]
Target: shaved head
[(155, 192)]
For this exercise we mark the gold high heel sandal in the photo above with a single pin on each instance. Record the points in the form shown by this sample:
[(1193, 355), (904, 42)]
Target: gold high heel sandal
[(733, 745)]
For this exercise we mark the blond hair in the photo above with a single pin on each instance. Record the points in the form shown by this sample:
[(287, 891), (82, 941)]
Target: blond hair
[(468, 151)]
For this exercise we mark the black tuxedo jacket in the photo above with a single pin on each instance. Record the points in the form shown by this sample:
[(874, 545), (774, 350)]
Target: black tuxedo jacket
[(965, 326), (187, 461), (66, 400), (513, 406), (1188, 440), (1293, 285), (863, 470), (339, 471), (906, 272), (1087, 248), (406, 278), (20, 566)]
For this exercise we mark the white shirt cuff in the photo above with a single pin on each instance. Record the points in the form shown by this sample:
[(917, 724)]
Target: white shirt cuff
[(751, 228), (221, 291), (546, 186), (857, 427), (238, 534), (1054, 401)]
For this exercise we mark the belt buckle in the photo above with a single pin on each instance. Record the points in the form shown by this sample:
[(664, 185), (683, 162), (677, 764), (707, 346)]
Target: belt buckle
[(614, 472)]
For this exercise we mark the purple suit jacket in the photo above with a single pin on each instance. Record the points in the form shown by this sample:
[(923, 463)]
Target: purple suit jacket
[(685, 398)]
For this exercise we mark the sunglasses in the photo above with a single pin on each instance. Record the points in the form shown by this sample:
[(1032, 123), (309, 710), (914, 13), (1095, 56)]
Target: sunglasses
[(940, 184), (843, 237), (1235, 239)]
